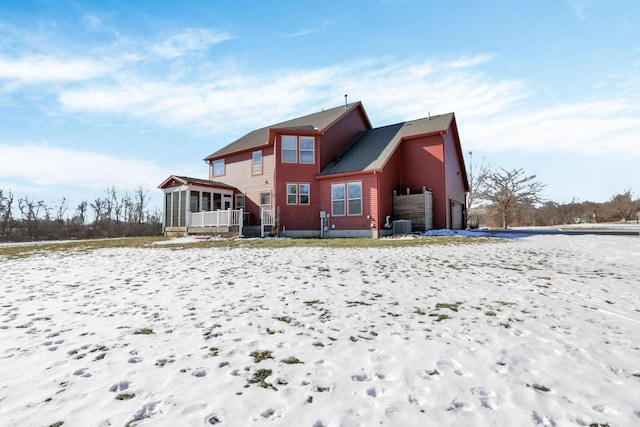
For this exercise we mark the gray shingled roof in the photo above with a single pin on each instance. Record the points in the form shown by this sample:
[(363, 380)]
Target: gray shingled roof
[(206, 182), (373, 147), (316, 121)]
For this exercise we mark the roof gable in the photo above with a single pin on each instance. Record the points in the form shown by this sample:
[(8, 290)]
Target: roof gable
[(318, 122), (373, 147)]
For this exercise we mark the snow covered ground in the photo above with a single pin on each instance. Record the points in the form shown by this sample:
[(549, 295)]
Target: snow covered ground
[(543, 330)]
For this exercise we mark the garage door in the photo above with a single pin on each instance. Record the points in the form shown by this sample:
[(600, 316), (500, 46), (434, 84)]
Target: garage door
[(457, 215)]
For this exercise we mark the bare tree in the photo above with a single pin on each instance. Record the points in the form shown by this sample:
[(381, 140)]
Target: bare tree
[(476, 175), (141, 196), (6, 202), (504, 190), (622, 206)]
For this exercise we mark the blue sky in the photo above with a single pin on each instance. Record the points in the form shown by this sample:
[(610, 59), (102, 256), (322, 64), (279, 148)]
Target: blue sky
[(126, 93)]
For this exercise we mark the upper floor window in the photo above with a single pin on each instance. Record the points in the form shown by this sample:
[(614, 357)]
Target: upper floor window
[(256, 163), (346, 199), (306, 149), (289, 149), (218, 167), (298, 149)]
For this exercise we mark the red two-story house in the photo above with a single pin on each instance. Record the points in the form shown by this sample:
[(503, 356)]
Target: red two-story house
[(327, 174)]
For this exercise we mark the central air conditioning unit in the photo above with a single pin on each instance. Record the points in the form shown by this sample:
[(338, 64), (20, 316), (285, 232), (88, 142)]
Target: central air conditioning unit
[(402, 226)]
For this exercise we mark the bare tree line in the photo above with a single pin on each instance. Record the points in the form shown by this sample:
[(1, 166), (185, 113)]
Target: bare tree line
[(115, 214), (501, 198)]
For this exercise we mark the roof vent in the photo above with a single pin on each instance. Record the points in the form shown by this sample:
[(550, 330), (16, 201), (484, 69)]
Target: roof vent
[(345, 100), (429, 115)]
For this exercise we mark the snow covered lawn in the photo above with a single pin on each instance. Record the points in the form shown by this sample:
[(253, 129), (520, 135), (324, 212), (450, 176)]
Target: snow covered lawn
[(543, 330)]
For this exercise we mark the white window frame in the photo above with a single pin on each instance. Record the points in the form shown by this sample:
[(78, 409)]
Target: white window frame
[(216, 164), (301, 194), (292, 140), (307, 150), (268, 194), (292, 192), (289, 139), (353, 199), (239, 197), (346, 201), (295, 195), (334, 200), (256, 166)]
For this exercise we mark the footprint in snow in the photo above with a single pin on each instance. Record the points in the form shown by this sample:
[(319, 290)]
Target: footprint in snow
[(121, 386), (200, 372), (487, 397), (84, 372)]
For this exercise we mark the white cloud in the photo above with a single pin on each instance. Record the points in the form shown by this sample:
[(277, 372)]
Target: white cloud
[(188, 41), (46, 69), (40, 164)]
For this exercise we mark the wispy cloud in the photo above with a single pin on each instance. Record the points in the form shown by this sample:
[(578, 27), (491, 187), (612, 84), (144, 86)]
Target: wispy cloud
[(41, 164), (189, 41), (44, 69), (491, 111)]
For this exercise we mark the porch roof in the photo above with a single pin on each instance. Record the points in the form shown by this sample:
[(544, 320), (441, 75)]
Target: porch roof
[(176, 180)]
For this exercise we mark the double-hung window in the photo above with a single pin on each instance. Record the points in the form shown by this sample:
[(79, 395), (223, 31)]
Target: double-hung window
[(289, 149), (306, 149), (346, 199), (298, 149), (256, 163), (298, 194)]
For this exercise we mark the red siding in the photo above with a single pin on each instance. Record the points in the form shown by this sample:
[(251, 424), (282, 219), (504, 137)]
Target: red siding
[(366, 221), (297, 217), (453, 174), (389, 181), (340, 135), (422, 165)]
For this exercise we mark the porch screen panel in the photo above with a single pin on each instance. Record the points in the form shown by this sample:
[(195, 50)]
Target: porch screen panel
[(175, 209), (183, 209), (167, 210), (206, 201), (194, 201)]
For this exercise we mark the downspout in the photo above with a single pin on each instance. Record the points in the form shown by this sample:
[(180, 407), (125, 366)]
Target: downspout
[(379, 213), (445, 195)]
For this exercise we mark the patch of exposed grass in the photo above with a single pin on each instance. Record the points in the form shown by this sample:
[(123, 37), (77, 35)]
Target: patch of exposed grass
[(20, 251), (161, 362), (539, 387), (440, 317), (285, 319), (143, 331), (125, 396), (259, 356), (259, 378), (452, 307), (291, 360)]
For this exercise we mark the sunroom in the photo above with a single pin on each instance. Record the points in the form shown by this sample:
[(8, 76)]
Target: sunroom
[(193, 205)]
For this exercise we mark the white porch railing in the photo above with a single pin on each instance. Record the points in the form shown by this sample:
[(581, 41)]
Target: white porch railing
[(219, 218), (267, 218)]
